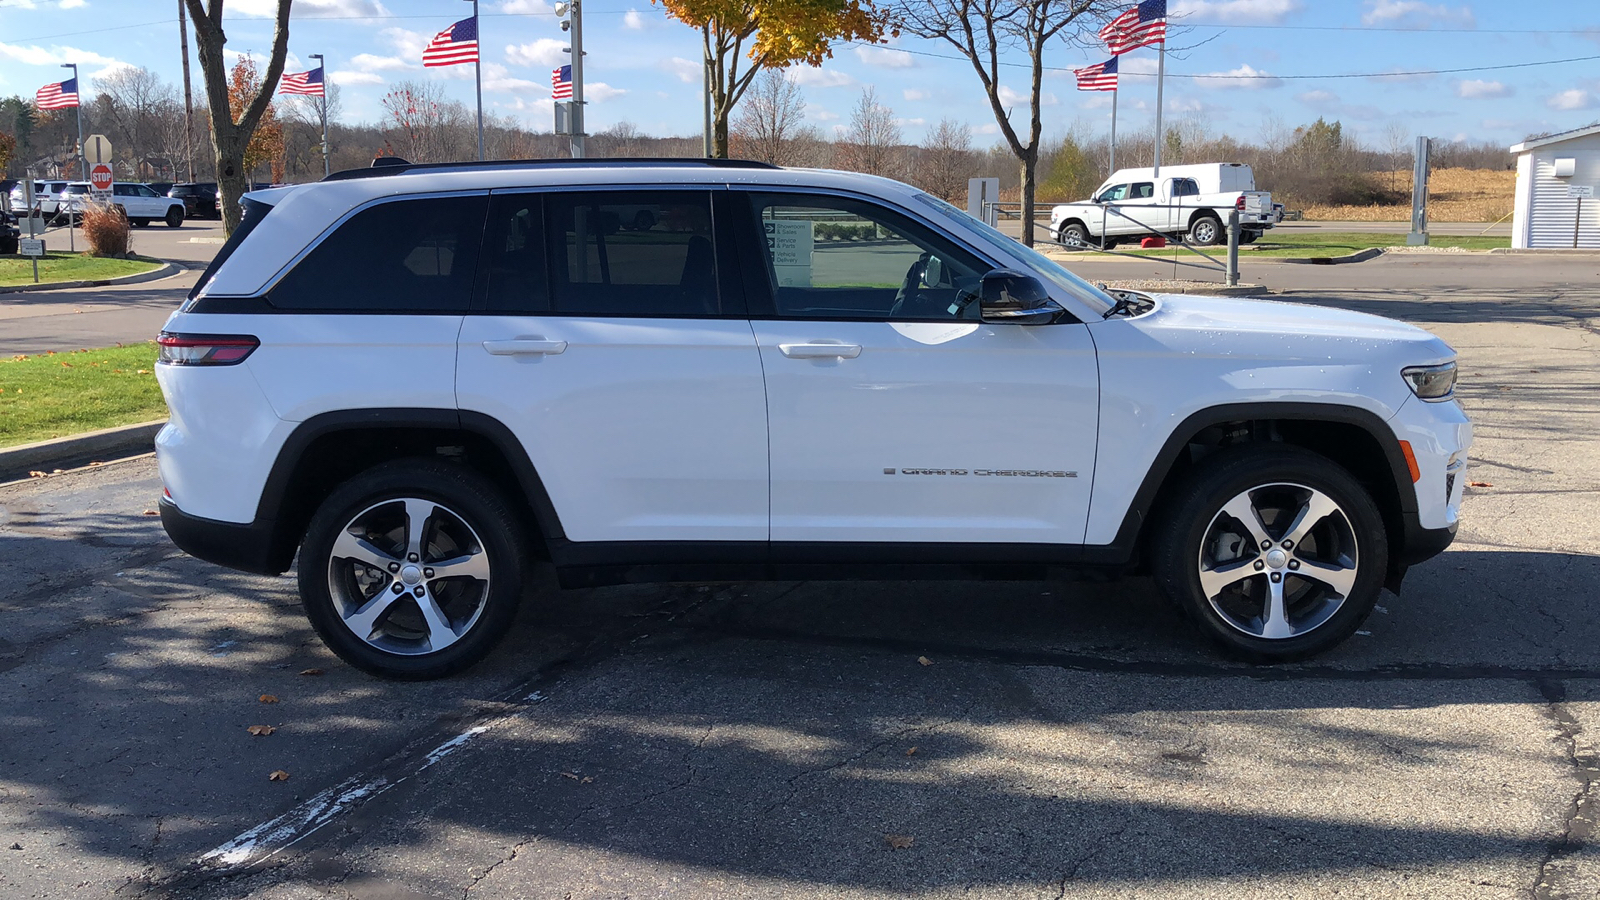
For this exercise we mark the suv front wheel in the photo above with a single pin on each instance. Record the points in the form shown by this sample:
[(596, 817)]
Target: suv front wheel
[(413, 569), (1277, 552)]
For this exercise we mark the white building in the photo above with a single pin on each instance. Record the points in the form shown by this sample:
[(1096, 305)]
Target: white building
[(1558, 178)]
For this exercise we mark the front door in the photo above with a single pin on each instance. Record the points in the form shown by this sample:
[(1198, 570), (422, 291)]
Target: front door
[(611, 350), (894, 413)]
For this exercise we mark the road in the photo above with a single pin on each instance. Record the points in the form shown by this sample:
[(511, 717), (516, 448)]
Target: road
[(1459, 229), (1064, 740)]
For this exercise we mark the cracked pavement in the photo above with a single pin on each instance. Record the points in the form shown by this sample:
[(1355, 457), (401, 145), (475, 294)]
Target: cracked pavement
[(1067, 740)]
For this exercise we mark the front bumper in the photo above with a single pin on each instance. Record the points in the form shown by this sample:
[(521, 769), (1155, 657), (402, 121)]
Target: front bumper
[(250, 548)]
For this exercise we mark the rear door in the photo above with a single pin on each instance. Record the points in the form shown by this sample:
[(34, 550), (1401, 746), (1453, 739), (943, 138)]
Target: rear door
[(622, 362)]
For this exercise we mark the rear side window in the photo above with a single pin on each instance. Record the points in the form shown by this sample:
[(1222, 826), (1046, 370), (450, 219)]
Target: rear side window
[(512, 268), (1185, 187), (632, 253), (403, 256)]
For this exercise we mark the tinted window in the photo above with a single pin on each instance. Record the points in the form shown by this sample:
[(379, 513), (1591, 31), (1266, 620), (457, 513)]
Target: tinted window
[(123, 190), (1112, 194), (839, 258), (1144, 190), (144, 191), (1185, 187), (635, 253), (513, 255), (403, 256)]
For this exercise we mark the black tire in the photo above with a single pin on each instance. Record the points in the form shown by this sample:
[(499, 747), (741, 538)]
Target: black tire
[(1205, 231), (1193, 532), (1073, 235), (174, 216), (1249, 237), (140, 223), (466, 511)]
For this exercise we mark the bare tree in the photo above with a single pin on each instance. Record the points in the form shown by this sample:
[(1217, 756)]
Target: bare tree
[(983, 31), (946, 161), (422, 126), (621, 140), (230, 137), (1397, 147), (769, 118), (872, 142), (135, 102)]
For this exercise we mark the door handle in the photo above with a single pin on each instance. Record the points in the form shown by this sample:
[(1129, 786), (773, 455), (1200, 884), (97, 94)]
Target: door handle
[(820, 351), (525, 347)]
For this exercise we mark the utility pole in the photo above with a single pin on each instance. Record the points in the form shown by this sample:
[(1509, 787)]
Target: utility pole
[(577, 79), (188, 95), (322, 64)]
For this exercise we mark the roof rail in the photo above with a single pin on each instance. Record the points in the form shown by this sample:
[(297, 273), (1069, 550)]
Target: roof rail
[(379, 171)]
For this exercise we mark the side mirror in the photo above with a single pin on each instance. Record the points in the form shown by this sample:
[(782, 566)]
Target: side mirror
[(1013, 298)]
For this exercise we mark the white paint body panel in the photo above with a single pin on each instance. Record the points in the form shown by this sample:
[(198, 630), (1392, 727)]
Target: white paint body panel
[(954, 396), (641, 429)]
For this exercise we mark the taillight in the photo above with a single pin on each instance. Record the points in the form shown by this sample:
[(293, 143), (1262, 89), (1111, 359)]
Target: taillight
[(205, 349), (1239, 203)]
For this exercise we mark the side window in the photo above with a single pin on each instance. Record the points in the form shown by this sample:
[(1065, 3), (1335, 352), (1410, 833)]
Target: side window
[(1113, 194), (1144, 190), (840, 258), (1185, 187), (145, 190), (632, 253), (513, 255), (120, 190), (403, 256)]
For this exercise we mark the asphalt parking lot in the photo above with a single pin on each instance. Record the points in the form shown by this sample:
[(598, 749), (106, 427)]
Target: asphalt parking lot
[(847, 740)]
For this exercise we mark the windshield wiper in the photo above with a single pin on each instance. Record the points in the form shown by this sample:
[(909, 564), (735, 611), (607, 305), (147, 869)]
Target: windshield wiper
[(1127, 302)]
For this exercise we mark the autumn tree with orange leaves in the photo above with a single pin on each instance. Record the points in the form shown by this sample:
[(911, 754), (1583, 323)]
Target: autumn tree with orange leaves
[(743, 37), (266, 143)]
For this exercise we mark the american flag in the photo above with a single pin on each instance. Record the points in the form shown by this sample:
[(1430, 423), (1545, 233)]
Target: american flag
[(1098, 77), (63, 95), (307, 83), (561, 83), (453, 46), (1142, 26)]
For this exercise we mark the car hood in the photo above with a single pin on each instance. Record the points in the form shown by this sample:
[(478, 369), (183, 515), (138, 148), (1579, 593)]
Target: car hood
[(1272, 328)]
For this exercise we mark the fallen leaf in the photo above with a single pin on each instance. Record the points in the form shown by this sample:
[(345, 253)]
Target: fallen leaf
[(268, 698), (66, 365), (150, 512), (310, 671), (141, 371), (278, 775), (16, 846), (924, 660), (1479, 484), (899, 841), (38, 474), (912, 752), (261, 730)]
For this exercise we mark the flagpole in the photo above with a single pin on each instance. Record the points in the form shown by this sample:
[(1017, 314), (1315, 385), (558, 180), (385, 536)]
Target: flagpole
[(1161, 77), (322, 63), (477, 75), (1114, 93), (83, 165)]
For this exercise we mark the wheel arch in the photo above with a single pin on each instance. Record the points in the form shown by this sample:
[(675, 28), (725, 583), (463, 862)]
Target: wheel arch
[(1357, 439), (326, 449), (1204, 212)]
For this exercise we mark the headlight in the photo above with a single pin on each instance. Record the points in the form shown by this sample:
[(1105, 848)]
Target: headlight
[(1431, 382)]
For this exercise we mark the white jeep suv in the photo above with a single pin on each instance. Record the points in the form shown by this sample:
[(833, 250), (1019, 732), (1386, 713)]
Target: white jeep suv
[(421, 378)]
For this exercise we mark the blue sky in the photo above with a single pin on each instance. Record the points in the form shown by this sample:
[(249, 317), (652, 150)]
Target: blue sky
[(643, 67)]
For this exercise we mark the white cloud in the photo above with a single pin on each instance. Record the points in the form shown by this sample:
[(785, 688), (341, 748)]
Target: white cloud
[(311, 9), (914, 95), (817, 77), (1326, 103), (35, 55), (1266, 12), (919, 121), (542, 52), (885, 57), (346, 77), (73, 4), (600, 92), (408, 44), (1417, 14), (1246, 77), (1475, 89), (822, 115), (633, 20), (988, 128), (1318, 98), (526, 7), (498, 79), (1096, 100), (1010, 97), (543, 105), (687, 70), (367, 62), (1573, 99)]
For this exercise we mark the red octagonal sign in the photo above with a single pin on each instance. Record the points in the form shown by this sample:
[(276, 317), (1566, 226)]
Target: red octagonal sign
[(100, 177)]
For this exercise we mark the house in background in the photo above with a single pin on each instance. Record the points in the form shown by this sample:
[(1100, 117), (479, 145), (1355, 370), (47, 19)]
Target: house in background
[(1558, 177)]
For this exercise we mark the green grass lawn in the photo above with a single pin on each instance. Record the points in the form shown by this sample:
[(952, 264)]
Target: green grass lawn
[(1314, 244), (59, 394), (15, 270)]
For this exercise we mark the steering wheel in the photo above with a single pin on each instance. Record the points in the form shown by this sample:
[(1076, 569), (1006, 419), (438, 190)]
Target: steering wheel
[(909, 294)]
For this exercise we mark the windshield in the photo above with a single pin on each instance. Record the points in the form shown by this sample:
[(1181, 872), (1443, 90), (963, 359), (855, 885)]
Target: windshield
[(1049, 269)]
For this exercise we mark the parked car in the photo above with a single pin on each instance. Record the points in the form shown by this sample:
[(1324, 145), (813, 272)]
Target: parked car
[(160, 187), (10, 234), (138, 203), (419, 378), (199, 199), (1189, 202), (46, 196)]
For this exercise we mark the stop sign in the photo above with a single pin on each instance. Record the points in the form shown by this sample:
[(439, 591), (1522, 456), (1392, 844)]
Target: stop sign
[(100, 177)]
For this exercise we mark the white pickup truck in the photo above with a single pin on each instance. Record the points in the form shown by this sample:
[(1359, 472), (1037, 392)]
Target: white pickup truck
[(1191, 201)]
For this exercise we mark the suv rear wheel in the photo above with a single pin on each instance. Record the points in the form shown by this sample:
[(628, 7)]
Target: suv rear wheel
[(413, 569), (1277, 552)]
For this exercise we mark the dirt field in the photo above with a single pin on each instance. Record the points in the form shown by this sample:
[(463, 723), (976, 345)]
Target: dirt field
[(1454, 195)]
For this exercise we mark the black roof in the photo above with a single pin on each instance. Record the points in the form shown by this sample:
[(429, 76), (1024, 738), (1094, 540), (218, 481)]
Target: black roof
[(393, 165)]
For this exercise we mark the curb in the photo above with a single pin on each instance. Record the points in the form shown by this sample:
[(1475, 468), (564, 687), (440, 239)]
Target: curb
[(1358, 256), (68, 452), (167, 269)]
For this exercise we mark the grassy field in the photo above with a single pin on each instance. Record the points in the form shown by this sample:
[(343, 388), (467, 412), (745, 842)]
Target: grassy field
[(1320, 244), (60, 394), (1454, 195), (15, 270)]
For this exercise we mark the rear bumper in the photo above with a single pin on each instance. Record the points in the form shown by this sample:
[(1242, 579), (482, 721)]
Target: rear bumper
[(247, 547)]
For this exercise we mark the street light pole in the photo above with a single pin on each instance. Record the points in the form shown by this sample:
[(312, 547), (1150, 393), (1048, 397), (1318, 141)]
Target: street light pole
[(322, 64), (477, 75), (577, 79)]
